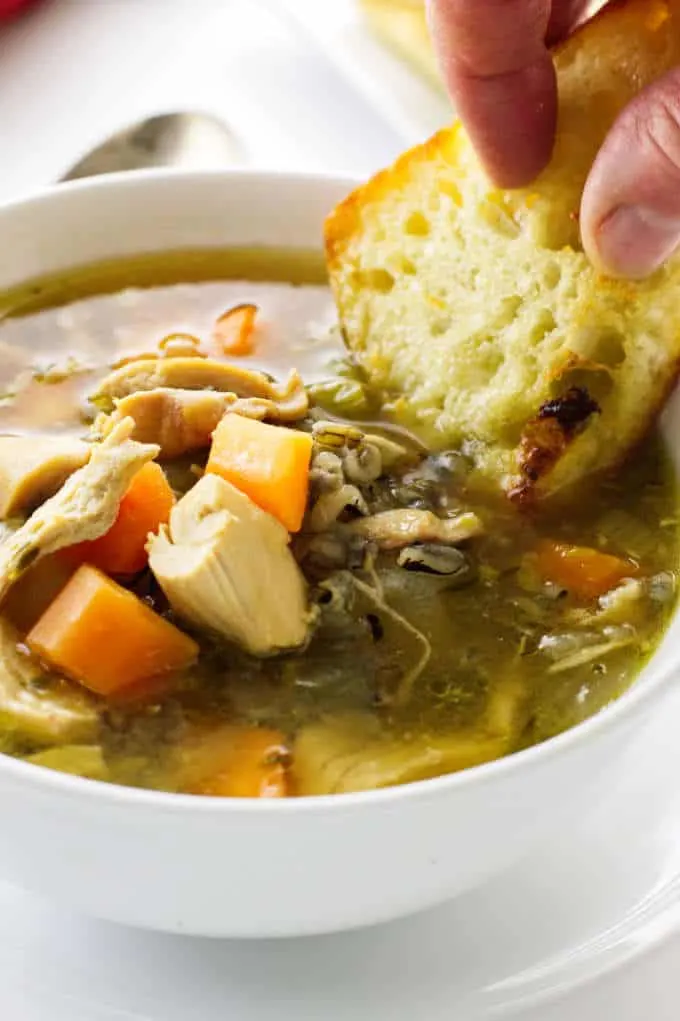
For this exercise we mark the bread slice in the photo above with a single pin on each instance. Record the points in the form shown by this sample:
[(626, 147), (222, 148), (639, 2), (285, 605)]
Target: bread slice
[(477, 307)]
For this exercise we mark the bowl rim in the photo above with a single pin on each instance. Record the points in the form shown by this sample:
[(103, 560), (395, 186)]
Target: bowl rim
[(648, 686)]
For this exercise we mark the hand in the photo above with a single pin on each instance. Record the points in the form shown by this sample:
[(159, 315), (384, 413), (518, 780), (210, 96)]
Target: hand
[(496, 63)]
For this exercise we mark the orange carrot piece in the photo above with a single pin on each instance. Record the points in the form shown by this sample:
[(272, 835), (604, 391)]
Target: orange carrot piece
[(586, 573), (144, 508), (234, 332), (251, 763), (269, 463), (99, 634)]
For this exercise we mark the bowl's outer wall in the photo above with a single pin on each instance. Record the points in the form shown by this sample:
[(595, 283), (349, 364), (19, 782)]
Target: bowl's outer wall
[(230, 870), (129, 214), (251, 869)]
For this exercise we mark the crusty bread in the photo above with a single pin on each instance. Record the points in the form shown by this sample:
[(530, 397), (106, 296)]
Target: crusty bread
[(479, 307)]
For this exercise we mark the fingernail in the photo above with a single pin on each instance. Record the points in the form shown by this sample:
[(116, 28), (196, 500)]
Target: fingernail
[(633, 241)]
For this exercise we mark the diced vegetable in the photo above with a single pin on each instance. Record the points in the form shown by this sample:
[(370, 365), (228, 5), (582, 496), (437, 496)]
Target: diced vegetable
[(104, 637), (144, 508), (79, 760), (268, 463), (232, 762), (586, 573), (234, 332)]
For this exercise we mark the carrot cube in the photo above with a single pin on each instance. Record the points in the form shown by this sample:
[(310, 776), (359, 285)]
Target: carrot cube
[(269, 463), (105, 638)]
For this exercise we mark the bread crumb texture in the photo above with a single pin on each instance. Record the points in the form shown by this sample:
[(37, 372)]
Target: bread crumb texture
[(479, 307)]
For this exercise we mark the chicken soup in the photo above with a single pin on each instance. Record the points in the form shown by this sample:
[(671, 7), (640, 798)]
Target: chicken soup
[(225, 569)]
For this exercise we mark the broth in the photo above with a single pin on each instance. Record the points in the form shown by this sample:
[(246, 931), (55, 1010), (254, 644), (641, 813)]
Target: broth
[(512, 658)]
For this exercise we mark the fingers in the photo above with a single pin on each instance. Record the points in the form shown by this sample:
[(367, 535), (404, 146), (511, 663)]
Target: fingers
[(630, 214), (501, 78)]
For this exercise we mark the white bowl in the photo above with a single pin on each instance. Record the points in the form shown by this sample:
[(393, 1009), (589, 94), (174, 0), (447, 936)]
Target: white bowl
[(225, 867)]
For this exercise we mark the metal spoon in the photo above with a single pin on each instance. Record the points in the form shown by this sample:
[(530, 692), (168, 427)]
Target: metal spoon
[(195, 140)]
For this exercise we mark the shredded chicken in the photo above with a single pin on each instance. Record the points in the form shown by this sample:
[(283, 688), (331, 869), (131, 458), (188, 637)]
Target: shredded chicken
[(33, 468), (352, 753), (180, 421), (394, 529), (225, 565), (623, 604), (201, 374), (33, 706), (577, 648), (84, 508)]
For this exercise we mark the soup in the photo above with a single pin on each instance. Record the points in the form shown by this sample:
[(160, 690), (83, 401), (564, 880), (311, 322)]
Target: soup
[(220, 577)]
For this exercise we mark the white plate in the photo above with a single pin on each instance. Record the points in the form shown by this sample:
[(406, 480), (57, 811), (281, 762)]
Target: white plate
[(555, 921)]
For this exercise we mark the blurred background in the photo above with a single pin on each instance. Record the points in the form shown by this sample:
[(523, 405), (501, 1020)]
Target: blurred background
[(340, 86), (332, 85), (402, 25)]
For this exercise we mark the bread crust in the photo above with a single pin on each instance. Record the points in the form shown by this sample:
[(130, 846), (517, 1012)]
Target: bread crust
[(600, 68)]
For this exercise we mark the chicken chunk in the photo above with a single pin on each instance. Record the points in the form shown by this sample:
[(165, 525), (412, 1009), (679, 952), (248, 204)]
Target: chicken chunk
[(180, 421), (33, 468), (35, 707), (393, 529), (352, 753), (201, 374), (225, 565), (83, 509)]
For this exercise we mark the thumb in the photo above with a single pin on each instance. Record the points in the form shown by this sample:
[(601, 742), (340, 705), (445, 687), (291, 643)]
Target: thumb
[(630, 213)]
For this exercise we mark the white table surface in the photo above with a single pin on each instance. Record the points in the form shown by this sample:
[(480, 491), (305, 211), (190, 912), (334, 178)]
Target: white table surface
[(74, 70)]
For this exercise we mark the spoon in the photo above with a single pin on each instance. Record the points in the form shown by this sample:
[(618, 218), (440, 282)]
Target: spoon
[(166, 140)]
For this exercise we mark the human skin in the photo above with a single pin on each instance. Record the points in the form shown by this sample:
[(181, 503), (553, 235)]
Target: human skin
[(494, 55)]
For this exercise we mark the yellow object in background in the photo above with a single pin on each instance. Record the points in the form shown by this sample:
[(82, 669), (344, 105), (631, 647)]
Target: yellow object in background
[(403, 26)]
